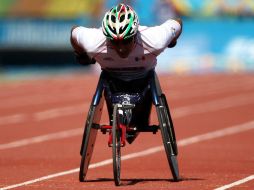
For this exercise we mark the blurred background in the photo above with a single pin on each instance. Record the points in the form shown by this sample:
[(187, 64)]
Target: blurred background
[(218, 35)]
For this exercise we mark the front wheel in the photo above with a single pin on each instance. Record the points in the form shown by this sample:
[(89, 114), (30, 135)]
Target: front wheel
[(116, 147), (168, 137)]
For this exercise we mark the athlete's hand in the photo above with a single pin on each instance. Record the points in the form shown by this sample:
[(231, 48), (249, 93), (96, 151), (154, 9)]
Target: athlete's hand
[(172, 44), (84, 59), (174, 41)]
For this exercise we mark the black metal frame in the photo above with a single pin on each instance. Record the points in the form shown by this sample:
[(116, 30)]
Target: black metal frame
[(93, 121)]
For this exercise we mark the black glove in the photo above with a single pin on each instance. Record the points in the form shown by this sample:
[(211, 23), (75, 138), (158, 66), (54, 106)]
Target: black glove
[(172, 44), (84, 59)]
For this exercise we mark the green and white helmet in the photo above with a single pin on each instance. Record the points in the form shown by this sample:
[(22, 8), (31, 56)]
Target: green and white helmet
[(120, 22)]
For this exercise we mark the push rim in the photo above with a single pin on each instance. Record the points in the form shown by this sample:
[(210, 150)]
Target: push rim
[(116, 147)]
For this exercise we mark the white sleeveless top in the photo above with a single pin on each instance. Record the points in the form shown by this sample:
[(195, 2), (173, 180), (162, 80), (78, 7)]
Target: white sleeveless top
[(151, 41)]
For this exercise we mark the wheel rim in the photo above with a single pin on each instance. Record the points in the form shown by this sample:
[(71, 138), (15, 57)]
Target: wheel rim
[(168, 138), (170, 129), (116, 148)]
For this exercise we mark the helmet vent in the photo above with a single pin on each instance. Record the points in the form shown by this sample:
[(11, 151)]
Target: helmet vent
[(113, 18), (112, 29), (121, 22), (119, 7), (122, 18), (122, 29)]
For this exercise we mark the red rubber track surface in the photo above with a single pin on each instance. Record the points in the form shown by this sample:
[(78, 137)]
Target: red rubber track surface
[(41, 125)]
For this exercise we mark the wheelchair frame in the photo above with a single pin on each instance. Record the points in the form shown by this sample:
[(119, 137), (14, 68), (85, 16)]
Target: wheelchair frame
[(93, 125)]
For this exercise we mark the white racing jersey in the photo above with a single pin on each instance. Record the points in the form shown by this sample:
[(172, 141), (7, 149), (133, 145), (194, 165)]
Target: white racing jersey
[(151, 41)]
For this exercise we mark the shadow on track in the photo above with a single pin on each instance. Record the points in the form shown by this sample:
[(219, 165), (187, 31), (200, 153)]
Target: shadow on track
[(126, 182)]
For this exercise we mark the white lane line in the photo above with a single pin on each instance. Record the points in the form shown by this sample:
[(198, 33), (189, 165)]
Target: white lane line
[(177, 113), (212, 105), (40, 99), (12, 119), (218, 133), (44, 115), (197, 89), (60, 112), (215, 88), (251, 177), (184, 142), (41, 179), (42, 138)]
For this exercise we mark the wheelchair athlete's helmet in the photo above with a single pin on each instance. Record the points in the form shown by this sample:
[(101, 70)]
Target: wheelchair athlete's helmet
[(120, 22)]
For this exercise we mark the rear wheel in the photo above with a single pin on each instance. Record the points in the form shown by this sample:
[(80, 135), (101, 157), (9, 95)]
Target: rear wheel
[(171, 125), (116, 147), (89, 138), (168, 137)]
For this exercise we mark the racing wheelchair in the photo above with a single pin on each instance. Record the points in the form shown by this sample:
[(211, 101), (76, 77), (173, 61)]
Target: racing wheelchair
[(126, 108)]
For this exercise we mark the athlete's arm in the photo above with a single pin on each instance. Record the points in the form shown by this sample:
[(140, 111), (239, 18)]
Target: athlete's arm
[(160, 37), (81, 55)]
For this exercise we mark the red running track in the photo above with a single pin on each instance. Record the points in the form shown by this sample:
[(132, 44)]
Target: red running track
[(41, 124)]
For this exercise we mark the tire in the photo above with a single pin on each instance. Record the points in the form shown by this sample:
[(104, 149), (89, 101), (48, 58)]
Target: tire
[(171, 126), (168, 137), (89, 138), (116, 147)]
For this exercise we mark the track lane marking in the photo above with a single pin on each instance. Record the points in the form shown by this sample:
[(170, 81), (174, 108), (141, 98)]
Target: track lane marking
[(212, 87), (213, 105), (42, 138), (12, 119), (41, 99), (239, 182), (70, 110), (60, 112), (44, 115), (198, 91), (181, 143)]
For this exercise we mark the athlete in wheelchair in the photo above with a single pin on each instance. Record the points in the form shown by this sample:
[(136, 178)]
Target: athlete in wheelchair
[(128, 82)]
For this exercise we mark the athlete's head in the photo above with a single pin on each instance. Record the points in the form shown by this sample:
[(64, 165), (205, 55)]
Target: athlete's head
[(120, 26)]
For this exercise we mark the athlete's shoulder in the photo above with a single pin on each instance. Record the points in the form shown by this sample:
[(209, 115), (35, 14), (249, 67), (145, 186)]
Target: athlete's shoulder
[(161, 35), (88, 38), (81, 30), (151, 36)]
